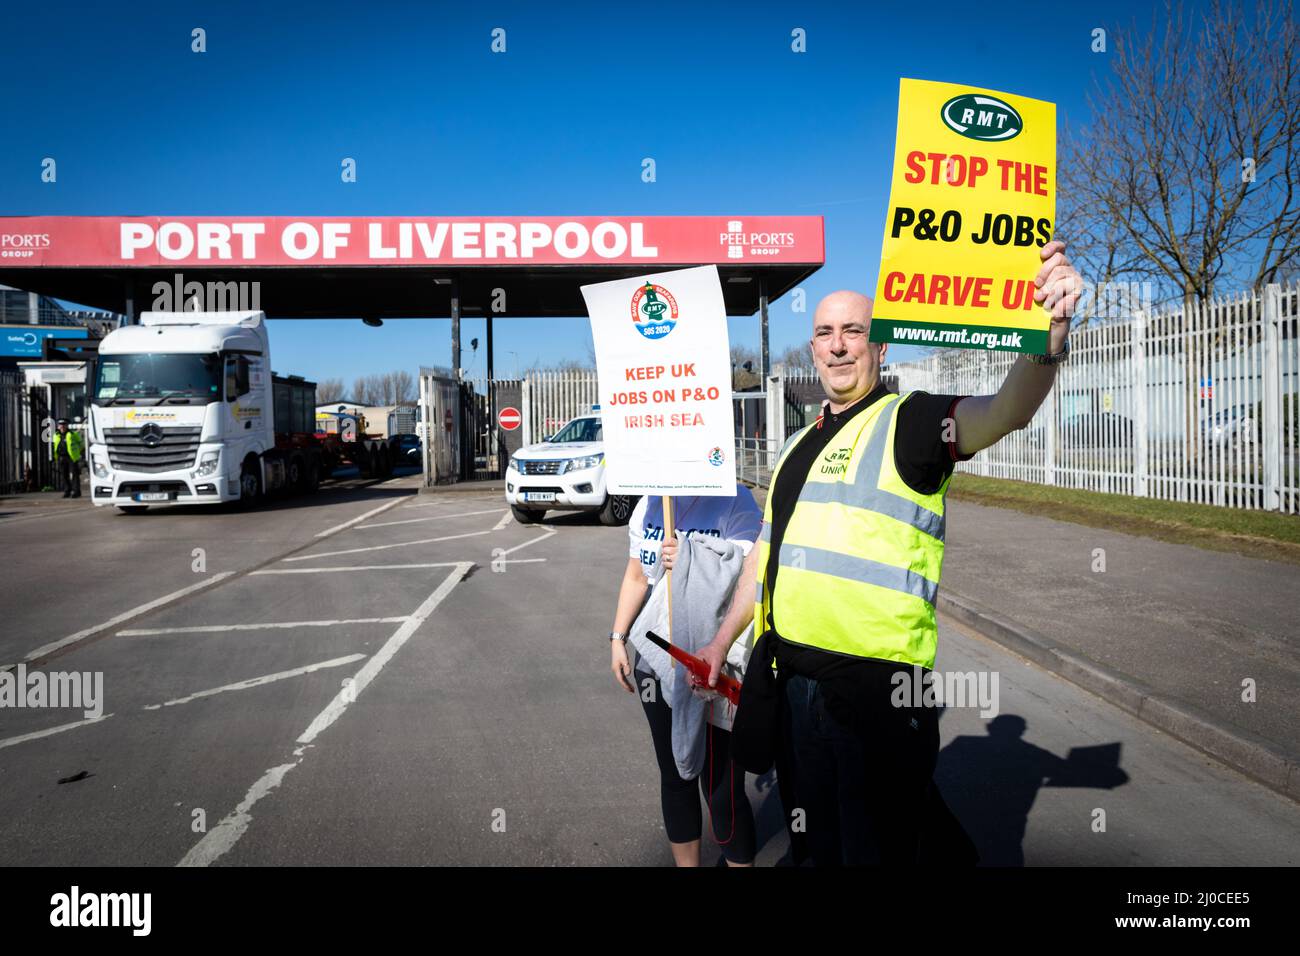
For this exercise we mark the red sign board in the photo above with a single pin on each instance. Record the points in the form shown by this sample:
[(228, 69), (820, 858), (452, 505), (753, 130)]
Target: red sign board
[(509, 418), (224, 241)]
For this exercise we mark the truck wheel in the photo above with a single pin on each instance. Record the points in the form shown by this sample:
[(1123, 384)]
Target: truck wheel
[(133, 509), (297, 477), (313, 478), (617, 509), (365, 463), (250, 484), (526, 515)]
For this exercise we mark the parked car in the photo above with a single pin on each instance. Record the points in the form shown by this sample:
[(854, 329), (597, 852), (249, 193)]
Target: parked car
[(408, 448), (1231, 426), (566, 472)]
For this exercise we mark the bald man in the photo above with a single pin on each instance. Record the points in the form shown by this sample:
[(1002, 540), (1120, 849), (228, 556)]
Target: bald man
[(843, 583)]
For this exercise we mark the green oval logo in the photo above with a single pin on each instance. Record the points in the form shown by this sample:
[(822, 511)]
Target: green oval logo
[(977, 116)]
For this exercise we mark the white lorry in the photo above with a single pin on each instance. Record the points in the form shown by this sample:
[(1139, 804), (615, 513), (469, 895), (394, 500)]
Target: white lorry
[(186, 410)]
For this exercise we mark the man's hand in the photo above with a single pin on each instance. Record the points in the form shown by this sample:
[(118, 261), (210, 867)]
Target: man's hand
[(714, 654), (1058, 288)]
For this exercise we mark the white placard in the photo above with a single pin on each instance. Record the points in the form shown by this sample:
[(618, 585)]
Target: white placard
[(664, 365)]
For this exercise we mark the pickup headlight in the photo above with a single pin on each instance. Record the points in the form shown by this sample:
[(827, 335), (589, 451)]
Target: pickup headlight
[(98, 466), (513, 465), (208, 464), (578, 464)]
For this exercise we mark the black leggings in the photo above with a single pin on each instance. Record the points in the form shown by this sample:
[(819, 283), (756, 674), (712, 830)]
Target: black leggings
[(732, 816)]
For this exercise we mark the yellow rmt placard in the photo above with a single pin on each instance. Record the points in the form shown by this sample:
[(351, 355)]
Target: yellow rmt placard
[(971, 203)]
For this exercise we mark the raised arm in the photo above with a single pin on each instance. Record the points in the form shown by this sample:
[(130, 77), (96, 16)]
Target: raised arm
[(983, 420)]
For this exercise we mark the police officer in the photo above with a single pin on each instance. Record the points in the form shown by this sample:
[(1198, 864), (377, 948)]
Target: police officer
[(844, 579), (68, 451)]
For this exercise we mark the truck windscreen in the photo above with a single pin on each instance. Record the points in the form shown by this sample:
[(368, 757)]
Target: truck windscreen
[(149, 378), (580, 429)]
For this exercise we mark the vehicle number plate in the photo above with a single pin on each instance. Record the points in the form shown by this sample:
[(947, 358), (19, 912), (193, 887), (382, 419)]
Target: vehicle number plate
[(539, 496), (153, 496)]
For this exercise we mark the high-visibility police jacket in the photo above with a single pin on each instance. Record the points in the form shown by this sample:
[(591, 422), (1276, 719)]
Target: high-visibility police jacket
[(861, 554), (75, 444)]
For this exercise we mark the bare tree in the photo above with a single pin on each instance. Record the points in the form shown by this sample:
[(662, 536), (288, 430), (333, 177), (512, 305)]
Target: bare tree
[(740, 354), (366, 390), (403, 387), (796, 357), (1189, 174), (329, 390)]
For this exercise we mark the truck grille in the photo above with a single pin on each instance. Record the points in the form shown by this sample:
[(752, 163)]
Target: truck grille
[(540, 467), (166, 449)]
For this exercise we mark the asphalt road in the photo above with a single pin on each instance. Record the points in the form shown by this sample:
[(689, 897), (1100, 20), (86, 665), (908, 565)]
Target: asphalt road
[(374, 676)]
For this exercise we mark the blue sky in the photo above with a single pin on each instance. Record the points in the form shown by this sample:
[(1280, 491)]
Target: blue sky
[(559, 124)]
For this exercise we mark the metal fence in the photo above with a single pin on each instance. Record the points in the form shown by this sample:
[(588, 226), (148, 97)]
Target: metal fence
[(1193, 404), (552, 398), (1199, 404), (25, 463)]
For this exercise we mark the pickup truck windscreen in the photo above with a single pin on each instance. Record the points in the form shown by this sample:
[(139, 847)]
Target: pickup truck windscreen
[(580, 429), (156, 379)]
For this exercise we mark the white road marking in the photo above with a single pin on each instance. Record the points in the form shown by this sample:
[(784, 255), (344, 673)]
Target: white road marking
[(527, 543), (373, 666), (218, 628), (226, 834), (441, 504), (121, 618), (505, 520), (360, 567), (221, 839), (359, 518), (463, 514), (51, 730), (385, 547), (259, 681)]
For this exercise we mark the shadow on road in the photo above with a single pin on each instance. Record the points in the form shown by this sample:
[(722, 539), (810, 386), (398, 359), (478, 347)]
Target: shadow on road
[(991, 783), (985, 786)]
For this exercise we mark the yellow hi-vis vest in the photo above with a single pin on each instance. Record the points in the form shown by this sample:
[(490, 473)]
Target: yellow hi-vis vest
[(862, 552), (75, 444)]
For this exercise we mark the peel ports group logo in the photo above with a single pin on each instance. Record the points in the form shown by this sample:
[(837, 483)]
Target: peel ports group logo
[(981, 117), (654, 311)]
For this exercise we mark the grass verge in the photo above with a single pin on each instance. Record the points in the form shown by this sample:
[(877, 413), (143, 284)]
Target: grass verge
[(1255, 534)]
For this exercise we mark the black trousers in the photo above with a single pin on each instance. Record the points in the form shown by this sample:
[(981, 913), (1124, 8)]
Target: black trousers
[(722, 783), (70, 471), (865, 797)]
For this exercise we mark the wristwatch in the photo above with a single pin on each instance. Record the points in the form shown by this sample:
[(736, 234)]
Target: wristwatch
[(616, 636), (1056, 359)]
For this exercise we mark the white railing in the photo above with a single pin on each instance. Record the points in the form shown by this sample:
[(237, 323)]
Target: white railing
[(754, 458), (1196, 405), (552, 398)]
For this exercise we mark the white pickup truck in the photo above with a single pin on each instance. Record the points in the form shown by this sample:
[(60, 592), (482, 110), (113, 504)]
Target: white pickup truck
[(565, 473)]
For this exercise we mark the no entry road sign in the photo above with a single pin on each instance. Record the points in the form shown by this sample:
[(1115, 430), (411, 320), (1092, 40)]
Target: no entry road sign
[(509, 418)]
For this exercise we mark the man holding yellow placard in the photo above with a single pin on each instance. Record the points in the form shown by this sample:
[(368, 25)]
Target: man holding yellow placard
[(843, 583)]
